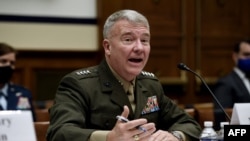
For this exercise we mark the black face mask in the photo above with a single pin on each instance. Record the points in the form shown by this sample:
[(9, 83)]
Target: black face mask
[(5, 74)]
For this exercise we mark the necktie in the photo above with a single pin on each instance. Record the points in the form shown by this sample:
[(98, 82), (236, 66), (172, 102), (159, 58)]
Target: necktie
[(131, 98)]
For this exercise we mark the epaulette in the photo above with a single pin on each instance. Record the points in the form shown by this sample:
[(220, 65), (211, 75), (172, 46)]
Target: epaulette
[(85, 73), (145, 74)]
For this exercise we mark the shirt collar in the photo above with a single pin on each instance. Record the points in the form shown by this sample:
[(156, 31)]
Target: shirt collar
[(240, 73), (123, 82), (4, 90)]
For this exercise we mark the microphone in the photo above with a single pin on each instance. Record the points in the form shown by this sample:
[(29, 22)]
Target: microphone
[(182, 66)]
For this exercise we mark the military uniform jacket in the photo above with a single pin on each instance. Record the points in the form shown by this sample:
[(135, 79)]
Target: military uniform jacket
[(19, 98), (90, 99)]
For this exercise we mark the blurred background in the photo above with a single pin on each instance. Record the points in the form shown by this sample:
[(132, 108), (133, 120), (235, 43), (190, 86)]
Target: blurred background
[(54, 37)]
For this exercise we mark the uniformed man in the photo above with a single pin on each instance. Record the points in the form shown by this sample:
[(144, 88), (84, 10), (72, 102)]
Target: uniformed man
[(116, 100)]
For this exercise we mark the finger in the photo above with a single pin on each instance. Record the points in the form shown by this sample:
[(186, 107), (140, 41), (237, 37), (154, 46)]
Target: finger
[(125, 112), (159, 135), (150, 130)]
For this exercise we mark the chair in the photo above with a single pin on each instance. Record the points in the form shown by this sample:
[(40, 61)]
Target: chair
[(204, 112), (203, 105), (44, 104), (41, 130), (42, 115), (190, 111), (48, 103)]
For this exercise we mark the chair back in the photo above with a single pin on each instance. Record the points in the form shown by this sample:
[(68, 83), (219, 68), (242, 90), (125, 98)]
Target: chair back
[(190, 111), (42, 115), (204, 112), (41, 130)]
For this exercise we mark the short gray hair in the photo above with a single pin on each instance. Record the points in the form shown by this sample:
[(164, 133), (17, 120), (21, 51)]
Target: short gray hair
[(129, 15)]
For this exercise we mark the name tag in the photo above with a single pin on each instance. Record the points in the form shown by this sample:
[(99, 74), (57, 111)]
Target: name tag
[(16, 126)]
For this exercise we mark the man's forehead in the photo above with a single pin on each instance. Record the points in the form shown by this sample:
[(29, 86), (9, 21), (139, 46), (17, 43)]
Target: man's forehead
[(9, 55), (128, 24), (124, 29)]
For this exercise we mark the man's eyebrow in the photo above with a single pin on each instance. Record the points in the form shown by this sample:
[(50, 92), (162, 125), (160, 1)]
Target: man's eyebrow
[(146, 34), (127, 33)]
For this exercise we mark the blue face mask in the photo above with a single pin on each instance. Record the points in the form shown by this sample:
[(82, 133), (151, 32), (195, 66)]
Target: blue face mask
[(244, 65)]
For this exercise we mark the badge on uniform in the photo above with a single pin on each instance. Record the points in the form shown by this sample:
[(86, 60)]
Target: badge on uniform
[(23, 103), (151, 106)]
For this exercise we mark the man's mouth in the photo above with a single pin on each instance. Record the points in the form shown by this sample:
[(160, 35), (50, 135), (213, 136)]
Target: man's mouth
[(134, 60)]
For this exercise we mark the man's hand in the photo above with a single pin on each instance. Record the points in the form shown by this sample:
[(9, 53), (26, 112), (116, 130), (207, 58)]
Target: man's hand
[(161, 135), (128, 131)]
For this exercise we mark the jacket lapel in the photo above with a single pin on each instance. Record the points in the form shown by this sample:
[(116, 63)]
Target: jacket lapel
[(240, 84), (142, 95), (120, 98), (110, 85)]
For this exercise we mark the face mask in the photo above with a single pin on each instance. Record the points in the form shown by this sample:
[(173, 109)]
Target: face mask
[(5, 74), (244, 65)]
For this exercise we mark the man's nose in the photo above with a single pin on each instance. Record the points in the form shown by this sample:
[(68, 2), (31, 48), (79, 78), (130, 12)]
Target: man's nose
[(138, 45)]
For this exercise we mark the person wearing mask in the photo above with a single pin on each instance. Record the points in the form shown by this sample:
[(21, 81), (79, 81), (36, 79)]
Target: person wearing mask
[(12, 96), (235, 86), (88, 100)]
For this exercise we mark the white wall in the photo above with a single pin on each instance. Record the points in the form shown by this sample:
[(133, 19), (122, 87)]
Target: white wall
[(53, 8), (49, 36)]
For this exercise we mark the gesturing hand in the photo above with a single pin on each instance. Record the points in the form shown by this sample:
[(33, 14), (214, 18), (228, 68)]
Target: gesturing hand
[(161, 135), (128, 131)]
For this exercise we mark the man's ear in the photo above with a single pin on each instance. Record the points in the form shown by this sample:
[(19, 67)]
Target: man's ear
[(106, 46), (235, 57)]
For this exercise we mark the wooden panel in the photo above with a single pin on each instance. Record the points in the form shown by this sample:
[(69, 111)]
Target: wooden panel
[(220, 24), (216, 57), (200, 33), (164, 15), (104, 9), (165, 18), (41, 71), (18, 75), (224, 17), (47, 80), (163, 62)]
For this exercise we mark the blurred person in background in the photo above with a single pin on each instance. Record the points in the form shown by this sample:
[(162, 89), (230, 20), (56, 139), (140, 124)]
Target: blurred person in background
[(234, 87), (12, 96)]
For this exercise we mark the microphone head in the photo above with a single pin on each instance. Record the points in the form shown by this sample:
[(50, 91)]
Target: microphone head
[(182, 66)]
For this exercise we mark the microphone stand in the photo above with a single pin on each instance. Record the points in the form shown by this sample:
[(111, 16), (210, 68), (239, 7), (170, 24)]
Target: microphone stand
[(184, 67)]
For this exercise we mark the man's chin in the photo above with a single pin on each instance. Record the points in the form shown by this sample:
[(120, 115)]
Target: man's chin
[(135, 72)]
